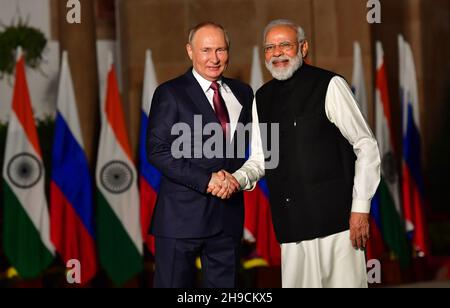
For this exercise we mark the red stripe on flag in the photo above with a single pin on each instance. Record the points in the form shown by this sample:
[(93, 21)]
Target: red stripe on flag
[(258, 220), (382, 86), (148, 201), (413, 210), (375, 246), (21, 105), (70, 237)]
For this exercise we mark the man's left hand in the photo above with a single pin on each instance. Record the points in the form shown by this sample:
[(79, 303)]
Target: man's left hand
[(359, 229)]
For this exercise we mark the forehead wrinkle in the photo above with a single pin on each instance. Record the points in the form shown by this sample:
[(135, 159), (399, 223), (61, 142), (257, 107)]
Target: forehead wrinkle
[(281, 33)]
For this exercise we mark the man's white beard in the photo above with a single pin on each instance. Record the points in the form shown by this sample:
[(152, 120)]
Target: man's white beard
[(284, 73)]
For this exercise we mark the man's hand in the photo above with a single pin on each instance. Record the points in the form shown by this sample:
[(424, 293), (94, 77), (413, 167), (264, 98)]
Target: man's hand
[(359, 229), (223, 185), (216, 182), (234, 185)]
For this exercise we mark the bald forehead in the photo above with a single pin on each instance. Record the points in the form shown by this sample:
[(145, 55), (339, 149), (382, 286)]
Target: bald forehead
[(281, 31), (208, 32)]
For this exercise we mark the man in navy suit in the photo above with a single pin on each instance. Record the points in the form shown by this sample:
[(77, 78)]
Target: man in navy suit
[(200, 211)]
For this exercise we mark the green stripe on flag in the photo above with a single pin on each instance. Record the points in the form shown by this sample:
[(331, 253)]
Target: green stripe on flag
[(117, 252), (21, 240), (393, 229)]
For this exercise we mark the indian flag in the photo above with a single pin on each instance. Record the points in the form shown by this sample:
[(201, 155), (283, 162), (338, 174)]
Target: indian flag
[(386, 206), (118, 224), (26, 233)]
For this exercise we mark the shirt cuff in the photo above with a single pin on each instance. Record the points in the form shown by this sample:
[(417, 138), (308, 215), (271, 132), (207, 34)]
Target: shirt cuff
[(361, 206), (241, 179)]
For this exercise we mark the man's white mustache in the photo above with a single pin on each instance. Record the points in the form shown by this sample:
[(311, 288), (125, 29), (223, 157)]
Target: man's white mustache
[(275, 60)]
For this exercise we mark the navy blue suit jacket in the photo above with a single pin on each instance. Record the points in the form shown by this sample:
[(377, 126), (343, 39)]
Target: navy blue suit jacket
[(183, 208)]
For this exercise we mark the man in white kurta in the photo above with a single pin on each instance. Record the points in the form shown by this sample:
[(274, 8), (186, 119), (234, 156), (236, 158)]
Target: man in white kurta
[(321, 193)]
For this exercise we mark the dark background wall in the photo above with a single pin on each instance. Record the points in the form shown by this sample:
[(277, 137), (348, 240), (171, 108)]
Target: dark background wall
[(331, 27), (162, 26)]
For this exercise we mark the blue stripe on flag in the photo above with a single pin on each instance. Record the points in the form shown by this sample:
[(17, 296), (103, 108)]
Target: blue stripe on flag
[(70, 171), (375, 210), (264, 188), (262, 183), (412, 150), (148, 171)]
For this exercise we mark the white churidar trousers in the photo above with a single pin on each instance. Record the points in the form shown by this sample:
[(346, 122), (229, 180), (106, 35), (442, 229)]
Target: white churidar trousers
[(329, 262)]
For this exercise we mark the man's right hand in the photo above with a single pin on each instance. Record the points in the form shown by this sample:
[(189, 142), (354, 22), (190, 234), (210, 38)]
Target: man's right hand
[(223, 185), (359, 230)]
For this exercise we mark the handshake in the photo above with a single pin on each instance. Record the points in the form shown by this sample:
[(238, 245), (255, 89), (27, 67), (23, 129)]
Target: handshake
[(223, 185)]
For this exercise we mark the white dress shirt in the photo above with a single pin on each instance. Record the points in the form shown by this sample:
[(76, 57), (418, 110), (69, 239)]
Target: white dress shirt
[(253, 169), (342, 109)]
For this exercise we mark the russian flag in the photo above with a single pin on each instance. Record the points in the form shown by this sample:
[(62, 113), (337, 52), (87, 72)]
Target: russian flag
[(71, 210), (150, 177), (413, 184), (258, 224)]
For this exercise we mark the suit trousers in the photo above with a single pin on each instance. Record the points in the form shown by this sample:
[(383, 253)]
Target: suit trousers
[(175, 261)]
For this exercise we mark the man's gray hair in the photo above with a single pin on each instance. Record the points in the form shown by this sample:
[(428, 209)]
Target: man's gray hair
[(285, 22), (204, 24)]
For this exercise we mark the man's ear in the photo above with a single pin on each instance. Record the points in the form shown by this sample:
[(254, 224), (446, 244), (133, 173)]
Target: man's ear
[(189, 50), (305, 49)]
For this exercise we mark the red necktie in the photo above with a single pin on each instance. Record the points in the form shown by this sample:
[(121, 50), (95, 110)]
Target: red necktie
[(219, 107)]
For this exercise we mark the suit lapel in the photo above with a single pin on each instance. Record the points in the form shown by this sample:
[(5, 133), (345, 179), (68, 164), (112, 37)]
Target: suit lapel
[(198, 97)]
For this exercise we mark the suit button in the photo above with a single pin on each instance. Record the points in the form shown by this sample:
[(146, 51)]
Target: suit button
[(287, 201)]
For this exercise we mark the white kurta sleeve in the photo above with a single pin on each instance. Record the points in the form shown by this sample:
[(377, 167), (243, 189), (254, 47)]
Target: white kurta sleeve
[(253, 169), (342, 110)]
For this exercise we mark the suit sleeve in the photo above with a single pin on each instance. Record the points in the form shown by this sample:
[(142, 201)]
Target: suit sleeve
[(163, 116)]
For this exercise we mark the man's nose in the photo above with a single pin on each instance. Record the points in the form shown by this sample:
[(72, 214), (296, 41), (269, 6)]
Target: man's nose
[(214, 58), (277, 52)]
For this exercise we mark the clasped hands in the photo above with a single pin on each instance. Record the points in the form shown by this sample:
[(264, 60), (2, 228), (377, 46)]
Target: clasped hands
[(223, 185)]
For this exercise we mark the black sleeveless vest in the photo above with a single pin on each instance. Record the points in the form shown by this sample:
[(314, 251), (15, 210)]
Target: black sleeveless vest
[(311, 189)]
